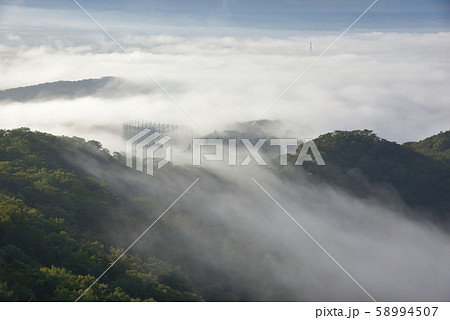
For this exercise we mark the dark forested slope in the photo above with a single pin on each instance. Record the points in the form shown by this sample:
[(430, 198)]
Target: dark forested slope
[(359, 160), (437, 146), (68, 208), (51, 214)]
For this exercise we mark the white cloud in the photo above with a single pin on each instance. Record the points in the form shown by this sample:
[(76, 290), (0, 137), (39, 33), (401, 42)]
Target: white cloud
[(395, 84)]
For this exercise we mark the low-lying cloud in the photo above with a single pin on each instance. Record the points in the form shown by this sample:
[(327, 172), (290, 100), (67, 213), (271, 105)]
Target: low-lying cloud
[(229, 223)]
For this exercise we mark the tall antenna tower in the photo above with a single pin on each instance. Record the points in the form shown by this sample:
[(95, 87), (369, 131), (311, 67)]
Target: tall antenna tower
[(310, 47)]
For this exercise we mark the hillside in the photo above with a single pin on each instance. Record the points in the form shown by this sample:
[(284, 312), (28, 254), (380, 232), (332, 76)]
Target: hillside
[(50, 212), (358, 161), (437, 146), (68, 209)]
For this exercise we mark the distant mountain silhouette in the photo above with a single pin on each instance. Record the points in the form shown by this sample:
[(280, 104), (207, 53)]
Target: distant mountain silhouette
[(104, 87)]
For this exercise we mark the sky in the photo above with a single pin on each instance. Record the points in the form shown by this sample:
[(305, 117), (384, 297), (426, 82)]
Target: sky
[(404, 15)]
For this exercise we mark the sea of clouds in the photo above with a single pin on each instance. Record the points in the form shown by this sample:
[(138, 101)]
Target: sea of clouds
[(392, 83)]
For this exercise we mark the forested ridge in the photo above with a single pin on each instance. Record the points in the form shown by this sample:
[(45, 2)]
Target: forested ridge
[(49, 215), (437, 146), (62, 225), (359, 160)]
